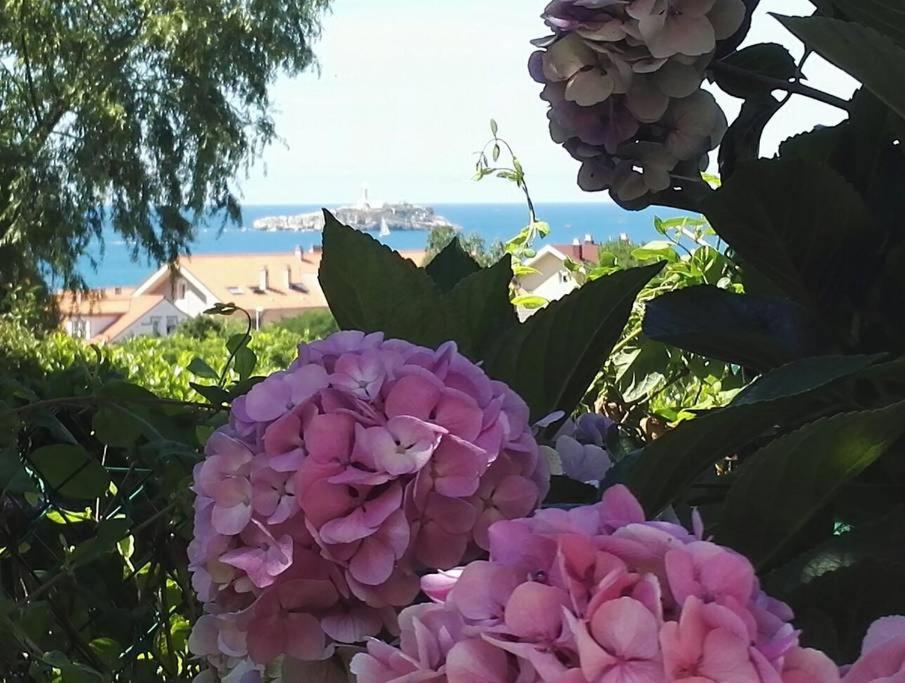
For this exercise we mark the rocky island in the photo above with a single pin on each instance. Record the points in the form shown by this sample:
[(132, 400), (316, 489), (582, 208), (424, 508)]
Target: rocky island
[(383, 218)]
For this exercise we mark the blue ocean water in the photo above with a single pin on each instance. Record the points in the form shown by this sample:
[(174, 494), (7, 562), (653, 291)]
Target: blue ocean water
[(492, 221)]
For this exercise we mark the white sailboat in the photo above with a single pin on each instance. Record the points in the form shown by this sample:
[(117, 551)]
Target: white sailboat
[(384, 228)]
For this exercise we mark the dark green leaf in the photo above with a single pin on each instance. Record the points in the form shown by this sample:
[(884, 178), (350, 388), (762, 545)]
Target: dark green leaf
[(867, 55), (213, 394), (742, 140), (479, 308), (878, 539), (199, 367), (792, 479), (70, 471), (451, 265), (245, 362), (764, 59), (799, 224), (116, 427), (887, 16), (670, 464), (371, 288), (836, 608), (551, 359), (752, 331), (13, 475), (237, 341)]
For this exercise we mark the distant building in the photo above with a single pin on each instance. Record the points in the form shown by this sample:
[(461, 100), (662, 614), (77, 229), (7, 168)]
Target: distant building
[(270, 287), (553, 280)]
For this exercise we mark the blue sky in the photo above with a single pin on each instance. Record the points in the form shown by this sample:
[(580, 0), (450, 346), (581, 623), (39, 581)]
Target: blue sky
[(407, 87)]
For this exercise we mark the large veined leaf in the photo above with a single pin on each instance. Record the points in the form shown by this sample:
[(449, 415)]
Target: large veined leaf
[(880, 539), (552, 358), (451, 265), (480, 309), (753, 331), (835, 609), (666, 467), (869, 56), (793, 478), (798, 223), (887, 16), (372, 288), (811, 583)]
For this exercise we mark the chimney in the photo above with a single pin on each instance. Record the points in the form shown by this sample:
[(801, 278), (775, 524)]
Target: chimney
[(315, 249), (287, 277), (263, 280), (299, 252), (576, 243), (588, 239)]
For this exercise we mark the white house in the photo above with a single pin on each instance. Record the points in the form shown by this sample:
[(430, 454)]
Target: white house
[(552, 280), (269, 286)]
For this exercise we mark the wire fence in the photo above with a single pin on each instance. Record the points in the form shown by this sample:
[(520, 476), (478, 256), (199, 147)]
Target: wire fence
[(95, 518)]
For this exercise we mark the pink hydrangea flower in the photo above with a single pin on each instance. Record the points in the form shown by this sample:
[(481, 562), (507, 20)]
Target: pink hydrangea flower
[(882, 654), (339, 479), (597, 594)]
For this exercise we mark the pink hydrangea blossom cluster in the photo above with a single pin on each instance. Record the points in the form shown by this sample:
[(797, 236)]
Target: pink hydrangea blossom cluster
[(337, 480), (597, 594), (623, 80)]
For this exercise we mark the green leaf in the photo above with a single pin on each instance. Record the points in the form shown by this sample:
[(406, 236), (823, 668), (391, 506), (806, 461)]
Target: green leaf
[(117, 428), (494, 127), (887, 16), (371, 288), (742, 141), (752, 331), (661, 250), (799, 224), (551, 359), (668, 466), (200, 368), (864, 53), (877, 539), (836, 608), (107, 649), (71, 471), (764, 59), (530, 301), (237, 341), (213, 394), (480, 309), (788, 482), (451, 265), (245, 362), (13, 475)]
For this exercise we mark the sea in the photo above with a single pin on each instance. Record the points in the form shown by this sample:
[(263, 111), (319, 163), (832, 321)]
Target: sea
[(494, 222)]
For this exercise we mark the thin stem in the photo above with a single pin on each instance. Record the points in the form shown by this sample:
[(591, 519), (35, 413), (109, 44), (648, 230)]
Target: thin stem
[(795, 87)]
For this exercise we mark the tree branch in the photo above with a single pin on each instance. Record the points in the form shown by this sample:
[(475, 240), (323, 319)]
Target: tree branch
[(27, 61)]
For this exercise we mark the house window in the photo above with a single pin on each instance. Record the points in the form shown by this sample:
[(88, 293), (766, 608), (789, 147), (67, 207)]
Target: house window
[(155, 325), (172, 324), (181, 290), (564, 277), (235, 290)]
